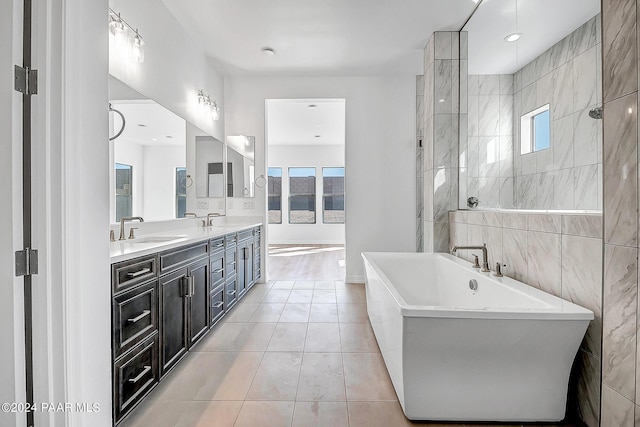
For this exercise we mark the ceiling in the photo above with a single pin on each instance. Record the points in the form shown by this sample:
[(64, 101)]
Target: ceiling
[(294, 122), (149, 124), (542, 23), (326, 37)]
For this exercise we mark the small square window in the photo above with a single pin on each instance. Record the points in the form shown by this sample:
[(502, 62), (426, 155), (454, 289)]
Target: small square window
[(535, 130)]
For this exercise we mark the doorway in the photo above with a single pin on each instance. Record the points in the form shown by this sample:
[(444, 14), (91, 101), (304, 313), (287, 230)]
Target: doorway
[(306, 182)]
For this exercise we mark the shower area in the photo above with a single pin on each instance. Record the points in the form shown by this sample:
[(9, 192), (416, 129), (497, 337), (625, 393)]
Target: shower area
[(534, 135)]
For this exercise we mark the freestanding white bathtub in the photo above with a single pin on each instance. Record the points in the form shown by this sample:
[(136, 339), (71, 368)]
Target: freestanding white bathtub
[(500, 353)]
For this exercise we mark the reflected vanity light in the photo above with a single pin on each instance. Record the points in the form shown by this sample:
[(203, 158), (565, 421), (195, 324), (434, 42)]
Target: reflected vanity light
[(206, 101), (125, 37)]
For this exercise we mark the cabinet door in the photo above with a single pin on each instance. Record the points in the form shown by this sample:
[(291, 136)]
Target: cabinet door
[(173, 331), (198, 300)]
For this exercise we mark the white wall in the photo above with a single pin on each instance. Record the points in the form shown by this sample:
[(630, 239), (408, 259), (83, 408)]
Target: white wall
[(286, 156), (379, 152), (11, 302), (160, 181)]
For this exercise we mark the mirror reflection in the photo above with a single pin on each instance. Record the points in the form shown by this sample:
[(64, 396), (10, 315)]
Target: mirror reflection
[(209, 165), (240, 166), (531, 128)]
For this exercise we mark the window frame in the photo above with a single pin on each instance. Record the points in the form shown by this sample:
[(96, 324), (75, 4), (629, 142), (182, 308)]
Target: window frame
[(528, 130), (324, 194), (180, 195), (130, 195), (313, 199), (269, 176)]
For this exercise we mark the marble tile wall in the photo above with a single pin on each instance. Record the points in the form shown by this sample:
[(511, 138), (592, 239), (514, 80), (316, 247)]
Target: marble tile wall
[(443, 58), (620, 349), (489, 148), (558, 253), (568, 76)]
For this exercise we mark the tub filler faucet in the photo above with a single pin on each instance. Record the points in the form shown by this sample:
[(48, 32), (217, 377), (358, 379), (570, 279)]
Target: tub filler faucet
[(485, 263)]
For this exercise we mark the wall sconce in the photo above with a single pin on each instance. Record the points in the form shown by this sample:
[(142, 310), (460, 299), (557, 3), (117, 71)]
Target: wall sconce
[(126, 37), (206, 101)]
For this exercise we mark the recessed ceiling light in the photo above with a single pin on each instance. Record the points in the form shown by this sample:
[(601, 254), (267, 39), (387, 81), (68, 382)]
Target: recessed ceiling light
[(312, 105), (441, 100), (168, 136), (317, 136), (141, 125), (513, 37), (154, 139), (268, 51)]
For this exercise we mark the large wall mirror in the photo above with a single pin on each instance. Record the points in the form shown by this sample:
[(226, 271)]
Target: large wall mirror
[(148, 159), (531, 128)]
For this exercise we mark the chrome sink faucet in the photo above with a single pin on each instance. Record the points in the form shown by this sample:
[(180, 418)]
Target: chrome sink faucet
[(125, 219), (210, 216), (485, 263)]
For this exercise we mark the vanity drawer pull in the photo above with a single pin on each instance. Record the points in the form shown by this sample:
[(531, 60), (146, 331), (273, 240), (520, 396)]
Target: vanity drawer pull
[(219, 270), (231, 263), (219, 245), (139, 317), (217, 305), (231, 292), (141, 375), (138, 273)]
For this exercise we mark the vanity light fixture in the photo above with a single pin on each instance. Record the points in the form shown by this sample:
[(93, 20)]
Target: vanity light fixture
[(513, 37), (206, 101), (126, 37)]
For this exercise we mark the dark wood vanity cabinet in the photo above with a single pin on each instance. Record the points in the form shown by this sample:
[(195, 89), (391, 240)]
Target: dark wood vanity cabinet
[(184, 302), (163, 303)]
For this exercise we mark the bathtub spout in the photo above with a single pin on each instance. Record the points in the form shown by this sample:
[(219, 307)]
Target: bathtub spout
[(485, 262)]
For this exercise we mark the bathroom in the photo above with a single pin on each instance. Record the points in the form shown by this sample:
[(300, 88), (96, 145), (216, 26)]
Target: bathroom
[(589, 258)]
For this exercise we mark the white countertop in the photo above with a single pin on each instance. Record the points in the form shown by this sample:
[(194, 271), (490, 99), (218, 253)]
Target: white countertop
[(122, 250)]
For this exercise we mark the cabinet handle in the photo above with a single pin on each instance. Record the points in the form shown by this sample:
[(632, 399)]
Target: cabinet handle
[(192, 286), (219, 270), (231, 263), (219, 245), (138, 273), (139, 317), (141, 375), (217, 305), (231, 292)]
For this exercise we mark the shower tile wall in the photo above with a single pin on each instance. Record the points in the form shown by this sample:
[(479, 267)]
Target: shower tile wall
[(568, 77), (621, 353), (489, 148), (560, 254), (442, 56)]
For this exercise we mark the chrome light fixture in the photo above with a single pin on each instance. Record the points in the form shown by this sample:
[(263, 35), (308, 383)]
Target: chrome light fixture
[(206, 101), (126, 37)]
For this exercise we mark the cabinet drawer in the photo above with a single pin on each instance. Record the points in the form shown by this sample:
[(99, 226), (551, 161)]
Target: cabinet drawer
[(216, 244), (127, 274), (217, 304), (135, 316), (217, 271), (257, 236), (230, 240), (173, 259), (231, 261), (244, 235), (231, 293), (134, 376), (257, 273)]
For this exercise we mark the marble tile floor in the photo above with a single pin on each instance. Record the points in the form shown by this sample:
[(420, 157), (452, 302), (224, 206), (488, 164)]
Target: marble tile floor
[(290, 354)]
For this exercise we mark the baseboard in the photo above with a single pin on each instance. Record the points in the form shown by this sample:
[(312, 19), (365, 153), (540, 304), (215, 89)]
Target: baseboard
[(354, 279)]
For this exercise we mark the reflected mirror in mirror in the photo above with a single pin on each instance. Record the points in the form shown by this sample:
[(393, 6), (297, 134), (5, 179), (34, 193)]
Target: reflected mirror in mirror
[(240, 166), (209, 164), (149, 158), (527, 138)]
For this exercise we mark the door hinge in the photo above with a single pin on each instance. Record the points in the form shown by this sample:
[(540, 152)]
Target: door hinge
[(26, 262), (26, 80)]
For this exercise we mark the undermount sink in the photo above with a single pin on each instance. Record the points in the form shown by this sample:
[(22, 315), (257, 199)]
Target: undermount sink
[(154, 239)]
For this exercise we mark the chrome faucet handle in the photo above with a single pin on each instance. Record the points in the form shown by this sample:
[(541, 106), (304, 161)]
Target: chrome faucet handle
[(112, 235), (499, 267), (131, 232), (476, 263)]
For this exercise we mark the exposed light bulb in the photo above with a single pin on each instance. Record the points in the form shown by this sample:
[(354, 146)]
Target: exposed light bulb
[(215, 113), (137, 49)]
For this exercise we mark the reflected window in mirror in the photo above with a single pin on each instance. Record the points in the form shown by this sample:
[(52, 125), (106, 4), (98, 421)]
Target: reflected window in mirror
[(124, 198), (181, 192), (535, 129), (275, 195), (333, 195), (302, 195)]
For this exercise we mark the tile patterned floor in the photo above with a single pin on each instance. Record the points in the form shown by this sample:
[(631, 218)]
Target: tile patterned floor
[(291, 354)]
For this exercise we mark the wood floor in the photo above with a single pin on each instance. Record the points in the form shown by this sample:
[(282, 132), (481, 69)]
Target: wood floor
[(306, 262)]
